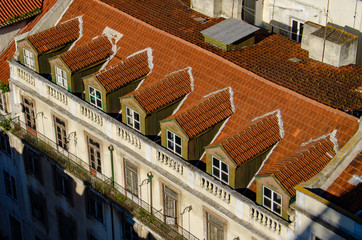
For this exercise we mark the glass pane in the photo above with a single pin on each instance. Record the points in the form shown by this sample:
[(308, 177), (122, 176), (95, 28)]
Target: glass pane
[(267, 203), (178, 140), (98, 94), (224, 177), (267, 192), (224, 167), (169, 135), (170, 145), (137, 125), (215, 172), (277, 198), (178, 149), (136, 116), (215, 162), (277, 208)]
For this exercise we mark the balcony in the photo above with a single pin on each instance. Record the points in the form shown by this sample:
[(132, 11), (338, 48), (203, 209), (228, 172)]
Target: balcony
[(138, 208), (204, 188)]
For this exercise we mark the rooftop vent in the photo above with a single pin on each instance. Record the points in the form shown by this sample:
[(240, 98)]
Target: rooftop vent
[(230, 34), (295, 60)]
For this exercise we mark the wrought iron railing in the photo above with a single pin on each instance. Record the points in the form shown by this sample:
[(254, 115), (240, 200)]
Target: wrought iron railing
[(140, 209)]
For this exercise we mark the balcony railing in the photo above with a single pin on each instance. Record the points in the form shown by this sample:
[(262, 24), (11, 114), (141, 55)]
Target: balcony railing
[(141, 210), (132, 142)]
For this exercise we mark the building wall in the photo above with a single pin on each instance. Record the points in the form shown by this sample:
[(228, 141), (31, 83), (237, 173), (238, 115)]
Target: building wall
[(340, 12), (193, 187), (315, 217)]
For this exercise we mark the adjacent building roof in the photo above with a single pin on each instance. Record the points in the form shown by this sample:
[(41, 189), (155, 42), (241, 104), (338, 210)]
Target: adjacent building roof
[(173, 87), (334, 34), (230, 31), (131, 69), (206, 114), (310, 160), (88, 54), (253, 140), (56, 36), (346, 190), (12, 11), (332, 86), (10, 50)]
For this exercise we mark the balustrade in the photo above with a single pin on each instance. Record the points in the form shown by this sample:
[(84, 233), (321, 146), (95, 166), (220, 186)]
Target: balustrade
[(170, 162), (94, 117), (131, 138), (57, 95), (26, 76), (215, 189), (263, 219)]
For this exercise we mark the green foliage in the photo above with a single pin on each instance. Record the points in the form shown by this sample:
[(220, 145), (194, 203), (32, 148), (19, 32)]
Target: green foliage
[(143, 212), (5, 124), (120, 197), (4, 87)]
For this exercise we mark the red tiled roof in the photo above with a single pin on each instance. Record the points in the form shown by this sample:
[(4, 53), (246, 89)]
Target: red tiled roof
[(310, 161), (88, 54), (131, 69), (253, 140), (173, 87), (206, 114), (56, 36), (253, 96), (9, 51), (269, 59), (343, 192), (15, 10)]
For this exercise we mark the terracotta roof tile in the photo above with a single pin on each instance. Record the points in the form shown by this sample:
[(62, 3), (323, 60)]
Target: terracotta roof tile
[(310, 160), (253, 96), (56, 36), (125, 72), (15, 10), (343, 192), (206, 114), (252, 140), (88, 54), (269, 58), (10, 50), (173, 87)]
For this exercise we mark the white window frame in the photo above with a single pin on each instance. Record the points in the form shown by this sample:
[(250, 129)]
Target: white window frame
[(29, 59), (220, 170), (61, 77), (171, 144), (96, 99), (3, 102), (215, 227), (170, 202), (131, 120), (273, 201), (94, 153), (298, 33)]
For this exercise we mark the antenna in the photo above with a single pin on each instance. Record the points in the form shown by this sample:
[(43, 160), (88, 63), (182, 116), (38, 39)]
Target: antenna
[(325, 33)]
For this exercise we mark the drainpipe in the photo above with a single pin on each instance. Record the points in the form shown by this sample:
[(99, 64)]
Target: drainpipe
[(111, 148), (150, 176)]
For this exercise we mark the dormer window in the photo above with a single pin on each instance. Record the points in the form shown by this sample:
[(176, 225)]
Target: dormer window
[(95, 97), (29, 59), (272, 200), (133, 119), (174, 143), (61, 77), (220, 170)]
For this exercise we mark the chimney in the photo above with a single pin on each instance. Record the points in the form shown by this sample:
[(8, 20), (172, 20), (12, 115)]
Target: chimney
[(340, 47)]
